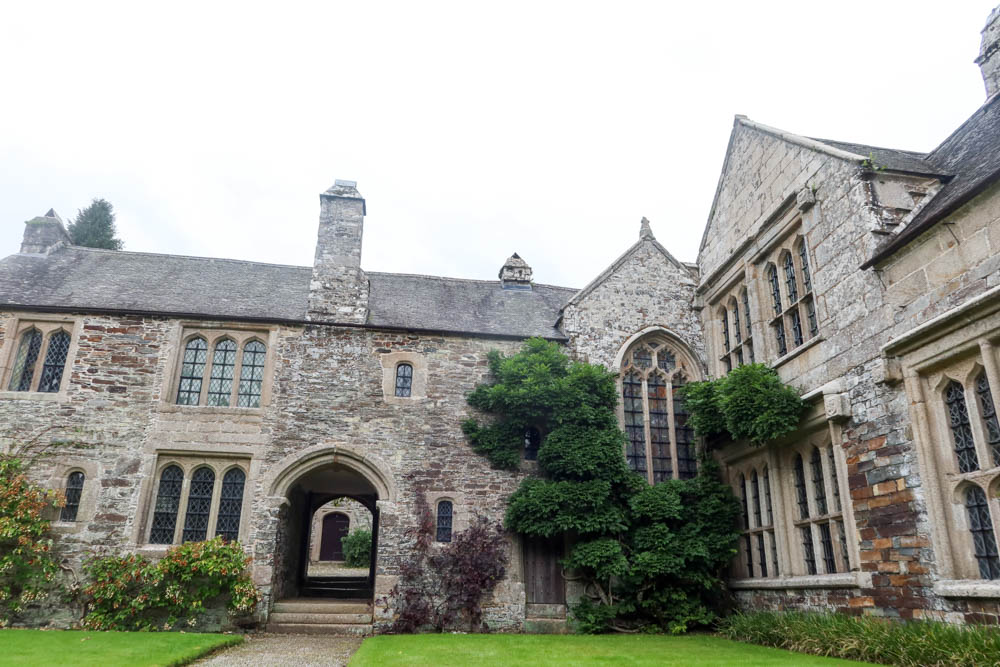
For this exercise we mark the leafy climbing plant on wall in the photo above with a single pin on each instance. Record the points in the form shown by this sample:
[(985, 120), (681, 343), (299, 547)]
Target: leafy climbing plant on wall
[(650, 557)]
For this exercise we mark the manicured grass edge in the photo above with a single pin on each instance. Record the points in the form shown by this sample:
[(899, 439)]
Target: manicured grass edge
[(231, 641)]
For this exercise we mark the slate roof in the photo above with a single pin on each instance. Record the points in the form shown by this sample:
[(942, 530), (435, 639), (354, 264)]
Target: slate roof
[(889, 158), (86, 279)]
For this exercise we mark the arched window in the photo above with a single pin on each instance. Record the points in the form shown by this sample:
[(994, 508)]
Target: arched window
[(251, 375), (192, 372), (444, 517), (168, 498), (981, 526), (227, 525), (24, 362), (220, 384), (804, 263), (404, 380), (790, 285), (770, 523), (660, 445), (988, 411), (55, 361), (800, 488), (725, 330), (532, 440), (777, 324), (819, 484), (961, 431), (747, 541), (199, 505), (74, 489)]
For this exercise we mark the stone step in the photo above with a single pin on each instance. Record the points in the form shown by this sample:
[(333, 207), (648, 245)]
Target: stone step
[(356, 629), (323, 606), (545, 626), (313, 617)]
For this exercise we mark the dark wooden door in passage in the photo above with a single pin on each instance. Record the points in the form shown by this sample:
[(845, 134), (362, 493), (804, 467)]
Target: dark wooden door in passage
[(335, 528), (543, 580)]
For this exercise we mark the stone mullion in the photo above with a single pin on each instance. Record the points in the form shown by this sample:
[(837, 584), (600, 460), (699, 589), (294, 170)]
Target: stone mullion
[(182, 507), (783, 526), (832, 510), (234, 392), (675, 462), (213, 509), (645, 429), (993, 376)]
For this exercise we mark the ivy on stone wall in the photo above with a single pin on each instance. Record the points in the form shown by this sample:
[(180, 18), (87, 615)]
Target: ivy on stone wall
[(750, 403)]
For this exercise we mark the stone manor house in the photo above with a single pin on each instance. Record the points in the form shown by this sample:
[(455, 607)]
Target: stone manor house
[(212, 397)]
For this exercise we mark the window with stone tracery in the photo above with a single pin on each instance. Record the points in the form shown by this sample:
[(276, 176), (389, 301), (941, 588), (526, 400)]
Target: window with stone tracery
[(660, 445)]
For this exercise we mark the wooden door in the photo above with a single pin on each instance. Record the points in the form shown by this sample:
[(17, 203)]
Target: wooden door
[(335, 527), (543, 580)]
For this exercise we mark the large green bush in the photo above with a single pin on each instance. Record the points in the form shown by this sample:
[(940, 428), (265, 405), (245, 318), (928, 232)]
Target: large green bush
[(870, 639), (358, 548), (131, 593), (651, 557)]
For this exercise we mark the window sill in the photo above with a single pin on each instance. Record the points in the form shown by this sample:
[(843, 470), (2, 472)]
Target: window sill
[(841, 580), (55, 397), (67, 527), (812, 342), (210, 409), (404, 400), (967, 588)]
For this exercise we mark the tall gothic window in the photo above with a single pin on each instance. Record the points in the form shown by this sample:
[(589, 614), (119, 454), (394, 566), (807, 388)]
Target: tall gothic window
[(227, 525), (168, 498), (988, 413), (961, 430), (660, 444), (235, 376), (74, 490), (404, 380), (444, 520), (199, 505)]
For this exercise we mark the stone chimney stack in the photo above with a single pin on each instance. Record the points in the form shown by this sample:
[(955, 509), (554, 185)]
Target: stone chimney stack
[(338, 291), (515, 273), (44, 234), (989, 53)]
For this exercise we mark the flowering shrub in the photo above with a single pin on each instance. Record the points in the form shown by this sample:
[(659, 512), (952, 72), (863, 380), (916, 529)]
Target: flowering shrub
[(131, 593), (27, 568)]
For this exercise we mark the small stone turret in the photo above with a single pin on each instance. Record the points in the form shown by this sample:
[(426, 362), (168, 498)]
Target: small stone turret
[(338, 291), (989, 53), (515, 273), (44, 234)]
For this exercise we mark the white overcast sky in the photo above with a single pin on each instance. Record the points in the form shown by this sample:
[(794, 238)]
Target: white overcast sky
[(474, 129)]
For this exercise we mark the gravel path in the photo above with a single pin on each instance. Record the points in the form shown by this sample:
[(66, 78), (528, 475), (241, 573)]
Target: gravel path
[(287, 650)]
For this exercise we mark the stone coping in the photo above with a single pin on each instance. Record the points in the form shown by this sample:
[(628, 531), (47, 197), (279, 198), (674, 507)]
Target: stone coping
[(841, 580), (967, 588)]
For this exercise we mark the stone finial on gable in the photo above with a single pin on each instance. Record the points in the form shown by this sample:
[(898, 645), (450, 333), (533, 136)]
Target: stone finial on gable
[(515, 273), (644, 230), (44, 233)]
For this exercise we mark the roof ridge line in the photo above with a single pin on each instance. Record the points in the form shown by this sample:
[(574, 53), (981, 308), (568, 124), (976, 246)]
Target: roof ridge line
[(167, 254)]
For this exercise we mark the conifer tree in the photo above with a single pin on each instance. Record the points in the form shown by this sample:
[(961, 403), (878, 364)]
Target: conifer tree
[(94, 227)]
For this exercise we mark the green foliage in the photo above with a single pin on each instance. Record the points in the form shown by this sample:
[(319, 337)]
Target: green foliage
[(750, 403), (94, 227), (650, 557), (869, 638), (131, 593), (100, 649), (358, 548), (27, 568)]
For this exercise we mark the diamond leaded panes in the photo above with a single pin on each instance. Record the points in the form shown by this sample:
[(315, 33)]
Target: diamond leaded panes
[(24, 362), (220, 384), (961, 432), (804, 262), (55, 361), (192, 372), (635, 450), (444, 519), (227, 525), (199, 505), (983, 540), (988, 411), (404, 380), (168, 498), (811, 316), (790, 285), (74, 489), (251, 375)]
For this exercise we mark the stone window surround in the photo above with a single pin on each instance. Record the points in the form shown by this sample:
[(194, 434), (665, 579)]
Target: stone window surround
[(189, 461), (213, 332), (418, 387), (788, 246), (820, 428), (459, 512), (730, 296), (686, 363), (15, 327), (88, 497)]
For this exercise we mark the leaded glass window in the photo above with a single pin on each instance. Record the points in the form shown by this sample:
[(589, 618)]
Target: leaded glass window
[(168, 498), (961, 431), (55, 361), (748, 341), (659, 428), (74, 489), (981, 526), (843, 542), (687, 463), (755, 488), (767, 497), (761, 554), (665, 359), (988, 411), (790, 285), (779, 336), (642, 357), (747, 542), (800, 488), (833, 478), (772, 279), (635, 450), (758, 548), (252, 375), (532, 441), (826, 540), (804, 263), (444, 520), (192, 372), (819, 484), (404, 380), (220, 385), (227, 525), (811, 316), (24, 362), (725, 330), (796, 327), (809, 555), (736, 324), (199, 505)]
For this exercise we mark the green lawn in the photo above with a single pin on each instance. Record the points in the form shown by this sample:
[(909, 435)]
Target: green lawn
[(483, 650), (70, 647)]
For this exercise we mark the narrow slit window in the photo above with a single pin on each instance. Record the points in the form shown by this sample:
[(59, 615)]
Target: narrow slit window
[(755, 487), (800, 488), (25, 360), (983, 540), (827, 541), (404, 380), (444, 521), (192, 372), (725, 330), (168, 499), (737, 331), (796, 322), (220, 384), (989, 414), (74, 490), (961, 431), (227, 526), (833, 478), (772, 279), (252, 375), (199, 505), (790, 285), (55, 362), (818, 483), (808, 554), (804, 261)]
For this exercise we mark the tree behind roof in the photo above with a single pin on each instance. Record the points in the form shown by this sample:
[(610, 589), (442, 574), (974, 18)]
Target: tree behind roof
[(94, 227)]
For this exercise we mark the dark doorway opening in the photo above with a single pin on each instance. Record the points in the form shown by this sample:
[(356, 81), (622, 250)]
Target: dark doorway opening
[(543, 579), (335, 528)]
